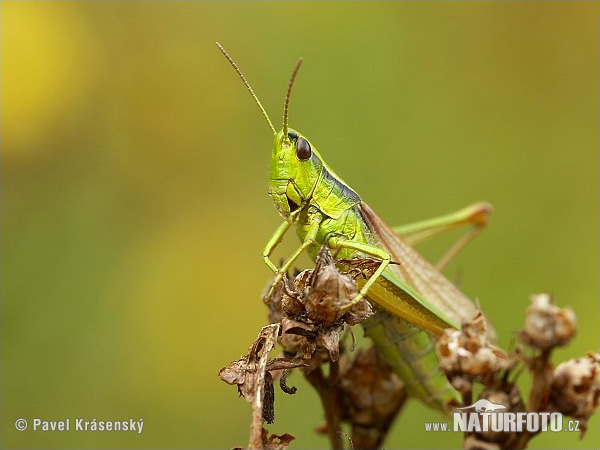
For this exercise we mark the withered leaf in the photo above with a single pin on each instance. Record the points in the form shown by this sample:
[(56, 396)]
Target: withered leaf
[(246, 371), (243, 374), (277, 441), (284, 364), (283, 384)]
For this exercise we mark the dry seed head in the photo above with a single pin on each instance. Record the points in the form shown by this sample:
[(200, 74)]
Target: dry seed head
[(576, 387), (468, 352), (547, 325)]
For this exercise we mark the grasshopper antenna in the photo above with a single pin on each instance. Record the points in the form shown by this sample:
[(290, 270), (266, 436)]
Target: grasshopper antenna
[(234, 65), (286, 106)]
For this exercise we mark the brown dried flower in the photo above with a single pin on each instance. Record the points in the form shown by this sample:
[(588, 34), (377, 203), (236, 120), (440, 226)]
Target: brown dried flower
[(312, 310), (373, 396), (547, 325), (467, 351), (576, 388)]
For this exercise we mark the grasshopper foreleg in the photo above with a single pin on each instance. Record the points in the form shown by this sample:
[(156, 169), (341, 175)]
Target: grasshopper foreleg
[(338, 242), (309, 240), (274, 242)]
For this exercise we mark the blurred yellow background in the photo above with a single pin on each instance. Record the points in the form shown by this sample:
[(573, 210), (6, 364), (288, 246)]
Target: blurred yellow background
[(134, 172)]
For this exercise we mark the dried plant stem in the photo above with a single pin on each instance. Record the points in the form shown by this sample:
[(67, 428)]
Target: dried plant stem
[(468, 396), (269, 334), (540, 383), (328, 391), (539, 389)]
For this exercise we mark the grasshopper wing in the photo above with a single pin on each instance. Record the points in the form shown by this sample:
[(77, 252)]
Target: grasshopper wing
[(439, 303)]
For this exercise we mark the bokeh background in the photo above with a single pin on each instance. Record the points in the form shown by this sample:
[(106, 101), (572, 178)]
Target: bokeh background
[(134, 174)]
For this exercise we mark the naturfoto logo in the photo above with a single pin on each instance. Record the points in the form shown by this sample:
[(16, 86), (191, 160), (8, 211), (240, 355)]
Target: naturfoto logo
[(486, 418)]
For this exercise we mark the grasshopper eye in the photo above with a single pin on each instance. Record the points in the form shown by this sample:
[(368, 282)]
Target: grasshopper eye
[(303, 151)]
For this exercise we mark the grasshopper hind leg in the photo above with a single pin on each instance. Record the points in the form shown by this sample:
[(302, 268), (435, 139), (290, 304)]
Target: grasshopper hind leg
[(476, 216)]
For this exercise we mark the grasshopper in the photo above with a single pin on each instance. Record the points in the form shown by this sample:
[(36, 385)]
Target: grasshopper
[(414, 302)]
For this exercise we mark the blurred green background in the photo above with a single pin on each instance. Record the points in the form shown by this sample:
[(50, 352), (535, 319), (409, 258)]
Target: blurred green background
[(134, 174)]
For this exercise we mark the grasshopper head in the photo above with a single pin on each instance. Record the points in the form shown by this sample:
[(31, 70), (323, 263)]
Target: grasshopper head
[(295, 170)]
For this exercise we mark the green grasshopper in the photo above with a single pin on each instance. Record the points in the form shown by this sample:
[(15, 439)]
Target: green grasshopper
[(414, 302)]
